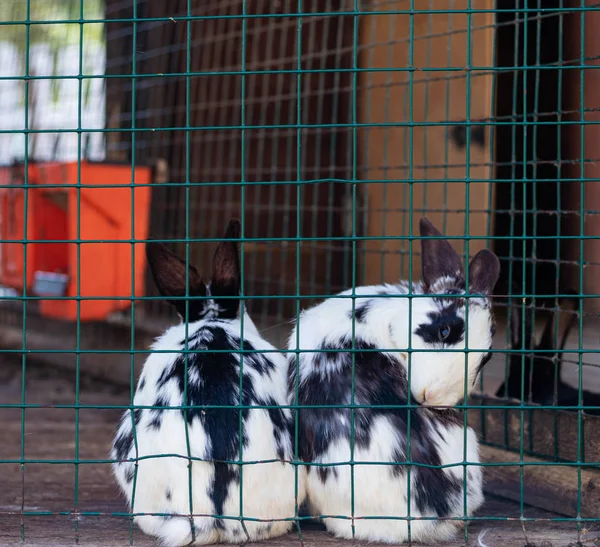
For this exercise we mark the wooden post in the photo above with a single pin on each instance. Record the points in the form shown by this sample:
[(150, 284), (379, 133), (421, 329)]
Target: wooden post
[(432, 153), (588, 112)]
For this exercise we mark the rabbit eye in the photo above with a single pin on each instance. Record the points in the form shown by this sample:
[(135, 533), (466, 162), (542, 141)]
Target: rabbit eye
[(444, 332)]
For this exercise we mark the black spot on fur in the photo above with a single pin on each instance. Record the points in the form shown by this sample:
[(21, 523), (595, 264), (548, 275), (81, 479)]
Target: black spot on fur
[(157, 413), (168, 494), (124, 440), (430, 332), (434, 489), (142, 384), (266, 529), (129, 472), (212, 359), (165, 376), (225, 474), (282, 427), (219, 386), (361, 311), (383, 291), (324, 472), (203, 340), (380, 383), (123, 444)]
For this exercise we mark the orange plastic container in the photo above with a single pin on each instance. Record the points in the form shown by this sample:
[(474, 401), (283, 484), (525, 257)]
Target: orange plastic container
[(70, 213)]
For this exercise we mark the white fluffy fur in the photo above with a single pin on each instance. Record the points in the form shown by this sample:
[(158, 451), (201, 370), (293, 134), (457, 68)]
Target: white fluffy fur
[(442, 374), (376, 492), (268, 489)]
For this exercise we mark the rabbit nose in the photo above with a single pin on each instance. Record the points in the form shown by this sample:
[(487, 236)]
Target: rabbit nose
[(430, 397)]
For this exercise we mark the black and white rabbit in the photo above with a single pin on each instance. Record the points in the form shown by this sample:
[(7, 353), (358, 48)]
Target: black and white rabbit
[(162, 484), (541, 367), (393, 322)]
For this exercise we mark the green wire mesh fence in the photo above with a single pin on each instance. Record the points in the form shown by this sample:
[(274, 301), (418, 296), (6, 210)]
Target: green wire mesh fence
[(329, 127)]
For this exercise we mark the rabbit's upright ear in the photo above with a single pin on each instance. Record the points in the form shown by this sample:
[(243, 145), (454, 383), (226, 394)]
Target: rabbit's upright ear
[(484, 271), (566, 314), (438, 258), (169, 272), (226, 276)]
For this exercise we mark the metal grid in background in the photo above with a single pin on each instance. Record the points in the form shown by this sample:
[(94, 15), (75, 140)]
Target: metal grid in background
[(271, 154), (523, 38), (320, 89)]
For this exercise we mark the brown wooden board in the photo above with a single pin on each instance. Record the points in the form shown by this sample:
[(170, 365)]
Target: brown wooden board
[(551, 487), (553, 434), (402, 153)]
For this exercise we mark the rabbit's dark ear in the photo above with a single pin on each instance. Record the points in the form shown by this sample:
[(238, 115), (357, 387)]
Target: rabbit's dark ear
[(169, 273), (484, 271), (438, 258), (226, 276), (566, 314)]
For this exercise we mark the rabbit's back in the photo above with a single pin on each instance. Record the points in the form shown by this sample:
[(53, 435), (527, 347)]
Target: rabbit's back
[(381, 431), (205, 372)]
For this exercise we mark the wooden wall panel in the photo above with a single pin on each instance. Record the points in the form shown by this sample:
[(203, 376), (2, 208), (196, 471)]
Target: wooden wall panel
[(591, 152), (433, 152)]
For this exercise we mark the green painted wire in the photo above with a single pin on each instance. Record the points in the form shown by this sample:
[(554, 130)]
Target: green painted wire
[(272, 168), (448, 102), (490, 216), (298, 248), (78, 325), (287, 14), (187, 270), (366, 142), (294, 407), (250, 297), (332, 155), (132, 331), (25, 235), (248, 127), (255, 264), (280, 239), (242, 260), (407, 151), (291, 154), (559, 207), (513, 211), (133, 161), (500, 518), (426, 84), (304, 182), (524, 264), (582, 212), (386, 150), (213, 73), (83, 461), (468, 99), (414, 350), (316, 188), (535, 116), (411, 62), (355, 30)]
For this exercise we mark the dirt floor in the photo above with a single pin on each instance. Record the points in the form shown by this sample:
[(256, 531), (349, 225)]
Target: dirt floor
[(57, 493)]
